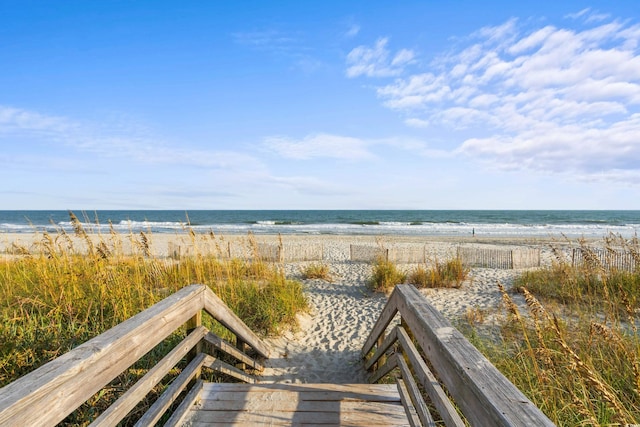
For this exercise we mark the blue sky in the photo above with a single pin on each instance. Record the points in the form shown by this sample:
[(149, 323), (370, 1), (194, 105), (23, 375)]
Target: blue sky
[(319, 105)]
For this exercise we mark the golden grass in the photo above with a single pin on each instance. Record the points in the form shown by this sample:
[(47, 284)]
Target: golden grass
[(70, 289), (317, 270), (448, 274), (574, 349)]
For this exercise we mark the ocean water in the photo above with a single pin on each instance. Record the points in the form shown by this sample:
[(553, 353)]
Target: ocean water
[(492, 223)]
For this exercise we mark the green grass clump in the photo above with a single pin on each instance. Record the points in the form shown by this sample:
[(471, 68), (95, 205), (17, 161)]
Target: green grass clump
[(448, 274), (317, 271), (575, 349), (385, 275)]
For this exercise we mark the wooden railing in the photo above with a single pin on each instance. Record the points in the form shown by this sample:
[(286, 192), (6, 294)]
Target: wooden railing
[(47, 395), (461, 376)]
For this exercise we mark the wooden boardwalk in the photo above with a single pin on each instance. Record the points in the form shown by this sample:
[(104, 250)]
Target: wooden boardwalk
[(429, 360), (224, 404)]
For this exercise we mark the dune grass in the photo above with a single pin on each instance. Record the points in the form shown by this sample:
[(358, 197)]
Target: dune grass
[(575, 348), (385, 275), (317, 270), (71, 288), (442, 274)]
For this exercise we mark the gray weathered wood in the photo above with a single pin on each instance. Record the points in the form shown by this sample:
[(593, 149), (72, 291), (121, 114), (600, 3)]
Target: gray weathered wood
[(381, 349), (48, 394), (430, 383), (299, 404), (484, 395), (412, 415), (382, 371), (385, 318), (219, 311), (224, 368), (160, 406), (414, 394), (125, 403), (283, 391), (219, 344), (183, 411)]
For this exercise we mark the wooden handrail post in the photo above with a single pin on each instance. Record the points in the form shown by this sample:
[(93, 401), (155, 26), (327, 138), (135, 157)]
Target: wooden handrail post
[(383, 359), (241, 345), (192, 324)]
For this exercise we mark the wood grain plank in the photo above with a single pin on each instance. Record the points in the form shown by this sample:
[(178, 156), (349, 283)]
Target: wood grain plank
[(485, 396), (125, 403), (48, 394), (430, 383), (160, 406), (412, 415), (219, 344), (219, 311)]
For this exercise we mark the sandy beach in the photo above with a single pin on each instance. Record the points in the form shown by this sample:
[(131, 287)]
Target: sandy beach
[(325, 347)]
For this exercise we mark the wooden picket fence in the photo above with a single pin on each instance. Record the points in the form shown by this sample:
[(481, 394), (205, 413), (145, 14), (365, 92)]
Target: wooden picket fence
[(610, 259), (499, 258)]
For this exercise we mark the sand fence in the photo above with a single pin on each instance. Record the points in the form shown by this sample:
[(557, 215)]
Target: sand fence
[(472, 256), (287, 252), (410, 253), (610, 259), (502, 258)]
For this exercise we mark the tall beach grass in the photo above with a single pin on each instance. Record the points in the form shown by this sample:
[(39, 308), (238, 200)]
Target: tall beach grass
[(70, 288), (574, 347)]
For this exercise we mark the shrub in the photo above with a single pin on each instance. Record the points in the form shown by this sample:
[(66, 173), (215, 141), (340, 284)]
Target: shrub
[(317, 271), (385, 275), (449, 274)]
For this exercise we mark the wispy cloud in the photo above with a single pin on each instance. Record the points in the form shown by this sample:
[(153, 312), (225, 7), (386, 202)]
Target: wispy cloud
[(353, 30), (113, 142), (549, 99), (269, 39), (320, 145), (347, 148), (589, 15), (377, 61)]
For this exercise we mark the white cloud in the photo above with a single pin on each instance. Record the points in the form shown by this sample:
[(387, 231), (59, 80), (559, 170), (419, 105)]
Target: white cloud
[(377, 61), (113, 142), (320, 145), (353, 31), (16, 120), (588, 15), (550, 99)]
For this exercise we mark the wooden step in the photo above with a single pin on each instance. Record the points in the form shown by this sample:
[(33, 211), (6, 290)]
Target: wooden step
[(298, 405)]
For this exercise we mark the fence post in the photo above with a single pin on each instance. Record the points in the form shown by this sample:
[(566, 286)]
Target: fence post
[(192, 324)]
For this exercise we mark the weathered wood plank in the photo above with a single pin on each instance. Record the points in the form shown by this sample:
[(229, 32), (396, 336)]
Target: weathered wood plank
[(51, 392), (298, 392), (414, 395), (183, 411), (299, 404), (412, 415), (259, 402), (219, 311), (160, 406), (385, 318), (485, 396), (381, 372), (219, 344), (332, 418), (125, 403), (381, 349), (224, 368), (430, 383)]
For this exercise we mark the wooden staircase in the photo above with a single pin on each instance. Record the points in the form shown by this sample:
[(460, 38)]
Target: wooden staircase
[(437, 375), (295, 404)]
